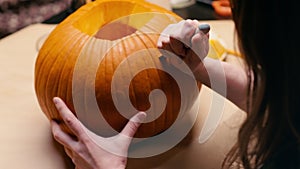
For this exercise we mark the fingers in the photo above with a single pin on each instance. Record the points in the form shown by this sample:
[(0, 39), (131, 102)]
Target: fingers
[(178, 38), (200, 45), (60, 136), (68, 152), (165, 34), (164, 47), (133, 124), (68, 117), (182, 31), (185, 33), (162, 39), (169, 53), (177, 47)]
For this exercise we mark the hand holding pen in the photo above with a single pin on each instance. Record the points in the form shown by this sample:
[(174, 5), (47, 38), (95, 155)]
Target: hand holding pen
[(188, 40)]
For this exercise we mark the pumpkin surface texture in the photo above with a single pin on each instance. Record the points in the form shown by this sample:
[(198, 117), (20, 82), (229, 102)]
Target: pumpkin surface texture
[(103, 62)]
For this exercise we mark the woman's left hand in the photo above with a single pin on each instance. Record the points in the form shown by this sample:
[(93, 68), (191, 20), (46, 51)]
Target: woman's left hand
[(88, 150)]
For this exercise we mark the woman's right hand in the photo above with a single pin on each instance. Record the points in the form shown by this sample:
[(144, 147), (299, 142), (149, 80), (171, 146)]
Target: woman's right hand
[(185, 41)]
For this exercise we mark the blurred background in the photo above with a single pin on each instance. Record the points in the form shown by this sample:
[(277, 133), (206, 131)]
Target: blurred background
[(17, 14)]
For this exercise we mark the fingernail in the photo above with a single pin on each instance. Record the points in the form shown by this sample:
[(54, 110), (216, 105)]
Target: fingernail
[(204, 28), (55, 100), (141, 116)]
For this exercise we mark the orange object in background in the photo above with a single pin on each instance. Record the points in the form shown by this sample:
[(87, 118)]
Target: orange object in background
[(222, 7)]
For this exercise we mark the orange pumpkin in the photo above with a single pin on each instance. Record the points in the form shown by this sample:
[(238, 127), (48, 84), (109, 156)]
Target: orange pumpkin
[(103, 62)]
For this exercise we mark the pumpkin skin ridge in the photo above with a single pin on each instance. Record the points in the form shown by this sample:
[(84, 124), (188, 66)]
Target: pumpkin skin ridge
[(46, 52), (83, 80), (127, 45), (52, 40), (159, 120), (161, 88), (199, 84), (170, 103), (46, 60), (141, 40), (61, 76), (137, 37), (124, 47), (106, 81), (138, 40), (85, 99), (47, 104), (68, 93), (149, 39), (135, 94)]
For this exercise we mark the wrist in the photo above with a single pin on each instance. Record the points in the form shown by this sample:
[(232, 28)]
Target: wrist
[(198, 71)]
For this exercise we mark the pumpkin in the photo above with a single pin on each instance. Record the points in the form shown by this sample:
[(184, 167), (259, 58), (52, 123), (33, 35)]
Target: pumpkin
[(103, 62)]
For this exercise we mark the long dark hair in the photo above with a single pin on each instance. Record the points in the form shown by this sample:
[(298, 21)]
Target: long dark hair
[(269, 41)]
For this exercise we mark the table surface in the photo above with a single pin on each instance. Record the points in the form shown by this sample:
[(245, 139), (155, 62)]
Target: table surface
[(26, 141)]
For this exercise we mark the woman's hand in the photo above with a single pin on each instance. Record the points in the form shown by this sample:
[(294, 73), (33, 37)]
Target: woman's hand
[(185, 41), (88, 150)]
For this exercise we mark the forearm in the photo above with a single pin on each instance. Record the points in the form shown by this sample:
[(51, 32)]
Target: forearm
[(227, 79)]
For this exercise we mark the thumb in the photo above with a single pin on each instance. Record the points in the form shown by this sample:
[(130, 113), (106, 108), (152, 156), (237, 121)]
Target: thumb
[(133, 124)]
